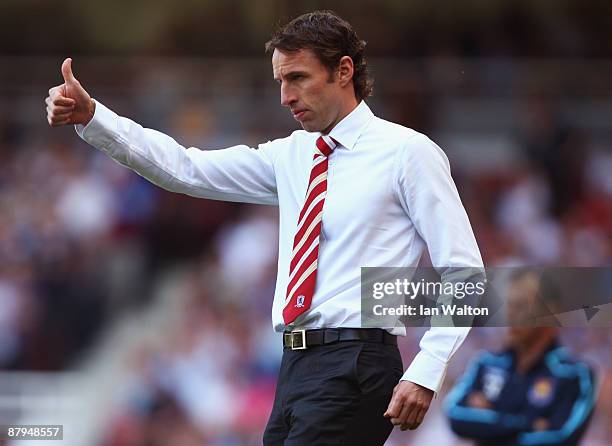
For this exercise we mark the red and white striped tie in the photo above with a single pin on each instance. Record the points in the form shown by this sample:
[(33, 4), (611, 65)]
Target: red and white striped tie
[(303, 267)]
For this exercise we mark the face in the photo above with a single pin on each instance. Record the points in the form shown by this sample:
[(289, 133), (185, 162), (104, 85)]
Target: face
[(520, 307), (313, 94)]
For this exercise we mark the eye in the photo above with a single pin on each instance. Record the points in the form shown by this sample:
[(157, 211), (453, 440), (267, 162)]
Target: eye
[(296, 76)]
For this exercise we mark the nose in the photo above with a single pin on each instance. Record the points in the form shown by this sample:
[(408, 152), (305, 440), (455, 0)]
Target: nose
[(288, 95)]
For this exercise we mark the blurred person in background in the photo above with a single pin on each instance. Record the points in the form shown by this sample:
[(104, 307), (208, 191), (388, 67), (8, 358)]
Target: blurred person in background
[(390, 195), (533, 392)]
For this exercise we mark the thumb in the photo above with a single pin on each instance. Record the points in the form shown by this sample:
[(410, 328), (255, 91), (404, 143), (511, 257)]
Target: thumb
[(67, 71)]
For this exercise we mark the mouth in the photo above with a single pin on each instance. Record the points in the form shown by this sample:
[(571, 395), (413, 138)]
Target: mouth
[(298, 115)]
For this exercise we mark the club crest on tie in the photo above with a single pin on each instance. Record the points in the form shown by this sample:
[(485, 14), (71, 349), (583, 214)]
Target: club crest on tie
[(300, 301)]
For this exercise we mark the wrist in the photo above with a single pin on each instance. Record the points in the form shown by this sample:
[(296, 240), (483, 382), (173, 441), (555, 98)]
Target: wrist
[(91, 110)]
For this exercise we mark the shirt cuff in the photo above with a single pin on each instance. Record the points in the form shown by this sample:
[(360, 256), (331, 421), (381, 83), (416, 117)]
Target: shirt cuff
[(427, 371), (100, 130)]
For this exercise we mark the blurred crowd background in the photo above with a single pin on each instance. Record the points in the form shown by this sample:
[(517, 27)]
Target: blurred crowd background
[(166, 299)]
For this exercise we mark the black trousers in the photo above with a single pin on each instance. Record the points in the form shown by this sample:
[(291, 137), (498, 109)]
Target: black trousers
[(334, 394)]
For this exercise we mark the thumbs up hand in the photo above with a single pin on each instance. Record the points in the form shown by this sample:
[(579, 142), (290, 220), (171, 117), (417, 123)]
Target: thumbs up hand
[(69, 103)]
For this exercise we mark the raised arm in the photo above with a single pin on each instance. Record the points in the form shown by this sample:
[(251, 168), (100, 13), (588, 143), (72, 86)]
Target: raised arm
[(238, 173)]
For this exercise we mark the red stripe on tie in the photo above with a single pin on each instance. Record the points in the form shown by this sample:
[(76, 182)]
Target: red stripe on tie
[(316, 231), (318, 169), (307, 222), (314, 193), (323, 147), (303, 267)]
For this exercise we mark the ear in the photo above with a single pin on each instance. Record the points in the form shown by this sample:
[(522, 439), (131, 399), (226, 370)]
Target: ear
[(345, 71)]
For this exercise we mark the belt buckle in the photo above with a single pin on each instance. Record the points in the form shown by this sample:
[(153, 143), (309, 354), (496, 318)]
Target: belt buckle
[(300, 338)]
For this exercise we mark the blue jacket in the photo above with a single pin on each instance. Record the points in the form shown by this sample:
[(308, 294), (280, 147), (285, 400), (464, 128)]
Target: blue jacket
[(557, 388)]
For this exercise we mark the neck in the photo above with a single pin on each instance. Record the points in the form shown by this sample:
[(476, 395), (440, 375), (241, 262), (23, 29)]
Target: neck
[(529, 353), (347, 107)]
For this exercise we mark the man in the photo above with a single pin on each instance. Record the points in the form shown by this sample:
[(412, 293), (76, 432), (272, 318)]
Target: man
[(387, 192), (533, 392)]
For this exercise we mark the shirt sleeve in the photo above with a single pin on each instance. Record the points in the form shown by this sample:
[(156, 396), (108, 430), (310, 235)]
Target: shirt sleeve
[(430, 198), (238, 173)]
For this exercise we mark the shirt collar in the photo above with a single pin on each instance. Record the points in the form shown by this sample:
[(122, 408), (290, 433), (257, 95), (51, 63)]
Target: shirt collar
[(347, 131)]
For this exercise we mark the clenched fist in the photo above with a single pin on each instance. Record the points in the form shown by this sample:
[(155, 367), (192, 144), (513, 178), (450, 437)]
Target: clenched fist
[(408, 405), (69, 103)]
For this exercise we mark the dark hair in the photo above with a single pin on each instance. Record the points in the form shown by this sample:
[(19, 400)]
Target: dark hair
[(330, 38)]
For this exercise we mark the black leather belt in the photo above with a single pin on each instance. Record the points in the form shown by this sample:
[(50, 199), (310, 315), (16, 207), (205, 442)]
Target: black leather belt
[(302, 339)]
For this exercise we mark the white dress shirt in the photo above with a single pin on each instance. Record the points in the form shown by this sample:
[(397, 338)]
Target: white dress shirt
[(390, 195)]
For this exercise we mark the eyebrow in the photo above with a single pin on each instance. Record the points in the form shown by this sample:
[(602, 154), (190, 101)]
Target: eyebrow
[(292, 74)]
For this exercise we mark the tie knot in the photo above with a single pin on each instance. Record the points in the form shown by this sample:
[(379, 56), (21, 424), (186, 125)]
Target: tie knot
[(326, 145)]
